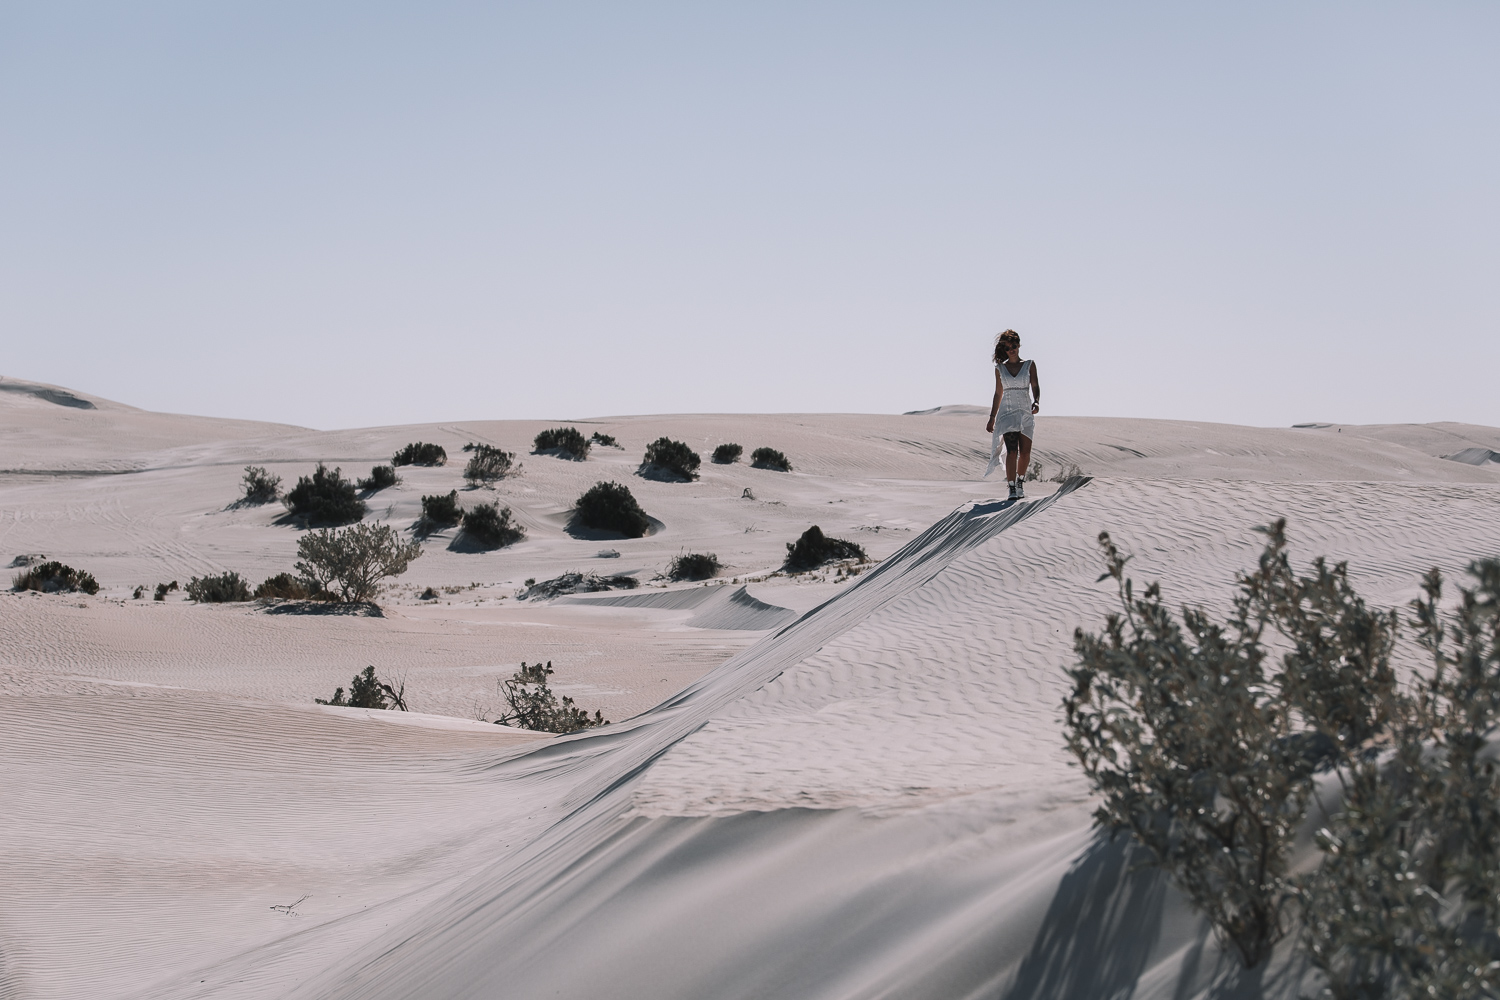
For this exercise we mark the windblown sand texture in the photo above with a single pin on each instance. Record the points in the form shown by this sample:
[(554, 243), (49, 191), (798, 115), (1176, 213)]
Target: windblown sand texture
[(814, 787)]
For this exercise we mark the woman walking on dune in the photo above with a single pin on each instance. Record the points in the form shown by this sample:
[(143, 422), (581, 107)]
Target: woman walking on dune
[(1018, 396)]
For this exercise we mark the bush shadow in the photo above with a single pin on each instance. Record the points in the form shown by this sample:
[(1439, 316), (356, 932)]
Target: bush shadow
[(464, 542), (586, 534), (661, 474)]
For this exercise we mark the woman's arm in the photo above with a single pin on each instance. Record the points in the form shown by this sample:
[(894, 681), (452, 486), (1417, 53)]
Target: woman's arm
[(994, 404), (1036, 390)]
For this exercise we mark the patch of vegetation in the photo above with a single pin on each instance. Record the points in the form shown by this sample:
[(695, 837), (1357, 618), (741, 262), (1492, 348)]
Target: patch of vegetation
[(55, 578), (577, 583), (283, 587), (611, 507), (260, 485), (163, 589), (224, 588), (604, 440), (564, 439), (727, 454), (348, 564), (693, 566), (1067, 472), (368, 691), (381, 477), (442, 510), (487, 464), (531, 704), (491, 526), (673, 457), (814, 549), (420, 453), (138, 593), (769, 458), (325, 498)]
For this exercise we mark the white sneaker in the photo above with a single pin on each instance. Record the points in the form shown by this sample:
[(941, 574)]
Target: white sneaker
[(1020, 490)]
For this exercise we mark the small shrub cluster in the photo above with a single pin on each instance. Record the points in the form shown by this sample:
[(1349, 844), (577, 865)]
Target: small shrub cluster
[(577, 583), (487, 464), (531, 704), (163, 589), (727, 454), (604, 440), (348, 564), (769, 458), (381, 477), (260, 485), (673, 456), (420, 453), (611, 507), (814, 549), (1067, 472), (693, 566), (283, 587), (368, 691), (567, 440), (325, 498), (492, 526), (442, 510), (223, 588), (55, 578)]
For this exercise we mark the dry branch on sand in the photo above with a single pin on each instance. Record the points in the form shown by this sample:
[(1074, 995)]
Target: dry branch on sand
[(531, 704)]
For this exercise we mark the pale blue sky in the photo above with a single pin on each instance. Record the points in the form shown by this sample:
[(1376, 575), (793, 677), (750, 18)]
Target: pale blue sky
[(338, 214)]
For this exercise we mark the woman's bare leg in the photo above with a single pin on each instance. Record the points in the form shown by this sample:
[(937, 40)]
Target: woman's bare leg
[(1020, 464), (1010, 455)]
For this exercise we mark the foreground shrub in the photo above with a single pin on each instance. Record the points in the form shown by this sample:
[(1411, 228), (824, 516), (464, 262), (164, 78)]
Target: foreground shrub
[(442, 509), (604, 440), (221, 589), (283, 587), (674, 456), (325, 498), (564, 439), (727, 454), (487, 464), (491, 526), (260, 485), (814, 549), (349, 563), (611, 507), (368, 691), (55, 578), (420, 453), (693, 566), (381, 477), (769, 458), (531, 704)]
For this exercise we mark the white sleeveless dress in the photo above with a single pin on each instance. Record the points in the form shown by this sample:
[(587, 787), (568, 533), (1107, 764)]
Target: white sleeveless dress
[(1014, 413)]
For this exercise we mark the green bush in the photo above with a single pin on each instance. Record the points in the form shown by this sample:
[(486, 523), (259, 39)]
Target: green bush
[(283, 587), (348, 564), (491, 526), (260, 485), (420, 454), (693, 566), (442, 509), (163, 589), (487, 464), (565, 439), (611, 507), (55, 578), (673, 456), (769, 458), (368, 691), (531, 704), (814, 549), (221, 589), (327, 498), (727, 454), (381, 477), (604, 440)]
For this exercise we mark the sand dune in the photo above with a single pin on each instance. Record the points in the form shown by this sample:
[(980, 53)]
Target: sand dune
[(813, 787)]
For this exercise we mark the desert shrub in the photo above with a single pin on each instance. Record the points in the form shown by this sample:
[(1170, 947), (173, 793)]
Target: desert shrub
[(674, 456), (368, 691), (381, 477), (1066, 472), (55, 578), (564, 439), (611, 507), (349, 563), (223, 588), (163, 589), (420, 453), (604, 440), (325, 498), (531, 704), (442, 509), (260, 485), (138, 593), (283, 587), (487, 464), (577, 583), (727, 454), (769, 458), (491, 526), (814, 549), (693, 566)]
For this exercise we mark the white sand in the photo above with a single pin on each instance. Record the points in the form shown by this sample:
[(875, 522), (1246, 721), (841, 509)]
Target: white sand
[(871, 801)]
